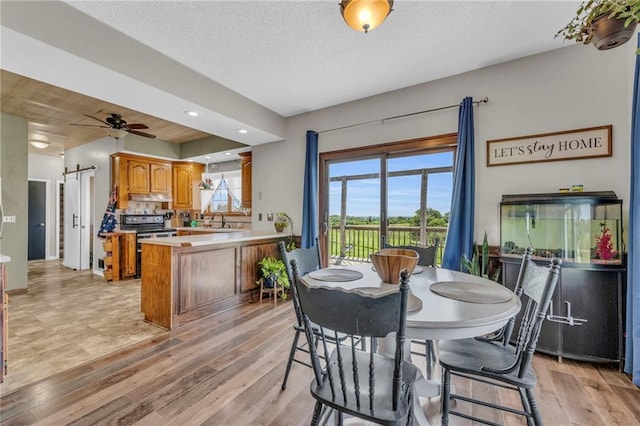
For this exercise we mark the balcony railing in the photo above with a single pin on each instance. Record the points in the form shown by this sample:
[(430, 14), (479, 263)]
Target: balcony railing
[(362, 240)]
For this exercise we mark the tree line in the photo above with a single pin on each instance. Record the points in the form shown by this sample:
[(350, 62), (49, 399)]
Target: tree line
[(434, 218)]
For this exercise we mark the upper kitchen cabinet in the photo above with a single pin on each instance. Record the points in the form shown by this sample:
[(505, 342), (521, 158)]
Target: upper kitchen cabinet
[(245, 168), (186, 177), (140, 175)]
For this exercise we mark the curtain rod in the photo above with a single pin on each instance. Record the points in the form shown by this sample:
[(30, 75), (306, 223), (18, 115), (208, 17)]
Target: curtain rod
[(382, 120)]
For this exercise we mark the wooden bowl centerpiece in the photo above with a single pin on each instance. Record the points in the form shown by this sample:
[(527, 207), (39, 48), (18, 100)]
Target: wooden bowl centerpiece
[(390, 261)]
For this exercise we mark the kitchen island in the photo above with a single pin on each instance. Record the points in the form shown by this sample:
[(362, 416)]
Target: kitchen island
[(190, 277)]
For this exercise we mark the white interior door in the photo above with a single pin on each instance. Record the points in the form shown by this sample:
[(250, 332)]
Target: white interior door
[(78, 238), (86, 229), (72, 221)]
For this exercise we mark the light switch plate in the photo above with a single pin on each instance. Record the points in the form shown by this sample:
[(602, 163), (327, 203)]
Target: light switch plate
[(9, 219)]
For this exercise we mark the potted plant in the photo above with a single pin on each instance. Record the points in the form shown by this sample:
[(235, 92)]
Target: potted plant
[(282, 220), (274, 273), (474, 267), (605, 23)]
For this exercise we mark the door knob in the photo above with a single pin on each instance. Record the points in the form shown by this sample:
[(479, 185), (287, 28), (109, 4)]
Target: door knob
[(41, 224)]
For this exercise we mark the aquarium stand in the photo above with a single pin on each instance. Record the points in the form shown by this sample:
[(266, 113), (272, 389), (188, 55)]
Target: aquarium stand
[(584, 230)]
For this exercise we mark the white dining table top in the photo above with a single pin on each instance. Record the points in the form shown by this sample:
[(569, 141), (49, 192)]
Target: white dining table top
[(440, 317)]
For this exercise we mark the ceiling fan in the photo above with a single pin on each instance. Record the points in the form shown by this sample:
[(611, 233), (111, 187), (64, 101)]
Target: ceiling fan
[(115, 121)]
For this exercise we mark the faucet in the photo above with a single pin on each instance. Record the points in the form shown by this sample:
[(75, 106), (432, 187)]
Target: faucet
[(221, 214)]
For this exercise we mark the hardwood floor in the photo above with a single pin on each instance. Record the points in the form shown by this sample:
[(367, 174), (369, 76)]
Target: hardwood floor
[(227, 370), (68, 318)]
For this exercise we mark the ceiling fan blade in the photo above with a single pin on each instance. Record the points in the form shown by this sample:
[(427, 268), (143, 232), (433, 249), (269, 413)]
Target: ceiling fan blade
[(137, 126), (146, 135), (89, 125), (97, 119)]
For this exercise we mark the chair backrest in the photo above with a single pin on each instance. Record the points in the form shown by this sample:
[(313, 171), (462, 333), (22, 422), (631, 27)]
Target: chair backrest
[(535, 288), (508, 329), (427, 254), (308, 260), (357, 315)]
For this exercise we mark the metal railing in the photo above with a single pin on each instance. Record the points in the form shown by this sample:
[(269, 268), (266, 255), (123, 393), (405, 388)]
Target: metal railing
[(362, 240)]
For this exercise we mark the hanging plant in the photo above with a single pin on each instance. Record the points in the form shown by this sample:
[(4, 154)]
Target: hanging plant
[(605, 23)]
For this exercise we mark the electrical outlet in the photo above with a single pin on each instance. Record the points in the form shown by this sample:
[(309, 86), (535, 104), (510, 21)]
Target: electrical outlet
[(9, 219), (260, 217)]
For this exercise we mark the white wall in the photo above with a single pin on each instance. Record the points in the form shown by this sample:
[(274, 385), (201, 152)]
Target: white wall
[(569, 88), (49, 169)]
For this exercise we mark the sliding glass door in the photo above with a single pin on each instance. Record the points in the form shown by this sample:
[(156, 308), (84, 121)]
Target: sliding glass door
[(401, 190)]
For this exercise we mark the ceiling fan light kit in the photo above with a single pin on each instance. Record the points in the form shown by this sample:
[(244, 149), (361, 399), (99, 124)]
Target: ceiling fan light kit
[(365, 15)]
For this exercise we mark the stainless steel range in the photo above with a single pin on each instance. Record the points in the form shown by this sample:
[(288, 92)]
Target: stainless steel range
[(146, 226)]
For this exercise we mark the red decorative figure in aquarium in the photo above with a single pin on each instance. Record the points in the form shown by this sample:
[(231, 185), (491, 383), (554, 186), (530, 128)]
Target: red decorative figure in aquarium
[(604, 247)]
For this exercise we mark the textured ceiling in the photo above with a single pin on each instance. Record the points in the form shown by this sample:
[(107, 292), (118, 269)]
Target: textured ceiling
[(299, 56), (248, 64)]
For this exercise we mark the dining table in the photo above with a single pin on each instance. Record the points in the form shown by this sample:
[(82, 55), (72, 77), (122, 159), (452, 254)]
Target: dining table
[(443, 304)]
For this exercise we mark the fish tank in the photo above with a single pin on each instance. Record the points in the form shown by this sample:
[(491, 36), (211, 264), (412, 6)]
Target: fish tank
[(577, 227)]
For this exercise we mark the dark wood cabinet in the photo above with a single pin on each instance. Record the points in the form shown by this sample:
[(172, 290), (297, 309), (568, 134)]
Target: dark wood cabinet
[(584, 321)]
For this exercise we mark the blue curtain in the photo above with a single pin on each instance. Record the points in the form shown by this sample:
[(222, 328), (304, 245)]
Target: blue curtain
[(460, 233), (632, 359), (309, 202)]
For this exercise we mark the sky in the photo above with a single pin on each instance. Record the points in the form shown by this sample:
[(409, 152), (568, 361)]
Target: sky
[(363, 196)]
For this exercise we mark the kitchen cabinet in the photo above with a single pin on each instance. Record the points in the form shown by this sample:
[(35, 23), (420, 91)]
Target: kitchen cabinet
[(120, 255), (245, 170), (185, 182), (182, 282), (584, 230), (133, 174)]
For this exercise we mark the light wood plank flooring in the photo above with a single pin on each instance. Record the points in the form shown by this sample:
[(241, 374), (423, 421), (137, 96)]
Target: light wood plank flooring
[(227, 370), (68, 318)]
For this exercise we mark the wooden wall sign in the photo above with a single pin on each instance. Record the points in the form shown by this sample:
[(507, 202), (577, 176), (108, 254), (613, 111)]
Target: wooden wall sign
[(569, 145)]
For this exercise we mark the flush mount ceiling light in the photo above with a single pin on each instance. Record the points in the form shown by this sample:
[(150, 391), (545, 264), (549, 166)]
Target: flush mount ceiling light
[(365, 15), (191, 113), (243, 131), (39, 144)]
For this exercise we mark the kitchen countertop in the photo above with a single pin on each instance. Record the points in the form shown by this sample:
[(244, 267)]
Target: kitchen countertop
[(210, 229), (212, 238)]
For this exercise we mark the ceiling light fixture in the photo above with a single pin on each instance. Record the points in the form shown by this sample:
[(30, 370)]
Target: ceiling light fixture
[(116, 133), (243, 131), (365, 15), (191, 113), (39, 144)]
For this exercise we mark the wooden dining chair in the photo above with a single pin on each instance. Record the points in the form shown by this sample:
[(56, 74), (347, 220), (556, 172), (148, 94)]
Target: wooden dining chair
[(308, 260), (504, 365), (427, 257), (351, 381)]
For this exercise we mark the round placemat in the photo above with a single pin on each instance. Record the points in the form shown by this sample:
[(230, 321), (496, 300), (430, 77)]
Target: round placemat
[(413, 303), (335, 274), (471, 292)]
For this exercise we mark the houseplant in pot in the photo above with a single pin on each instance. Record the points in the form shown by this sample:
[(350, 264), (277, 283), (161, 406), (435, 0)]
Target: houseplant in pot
[(604, 23), (282, 221), (274, 275)]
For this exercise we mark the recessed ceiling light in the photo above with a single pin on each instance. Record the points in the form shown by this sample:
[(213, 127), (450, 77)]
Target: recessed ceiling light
[(39, 144), (191, 113), (206, 158), (227, 153), (243, 131)]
